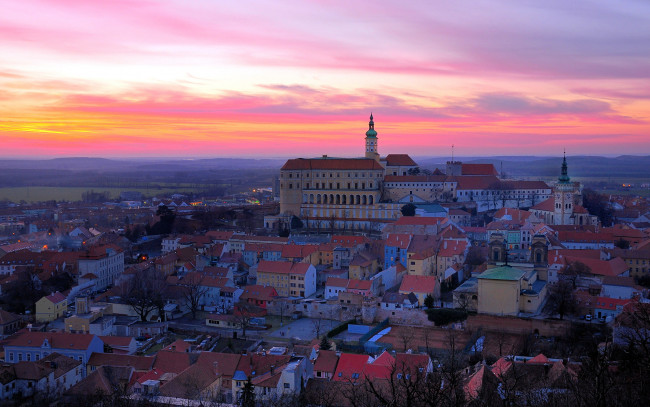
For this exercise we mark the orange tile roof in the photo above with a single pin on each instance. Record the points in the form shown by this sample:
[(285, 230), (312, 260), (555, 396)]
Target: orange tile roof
[(415, 178), (258, 292), (58, 340), (419, 221), (399, 160), (418, 284), (282, 267), (331, 164), (326, 361), (475, 182), (478, 169), (399, 240)]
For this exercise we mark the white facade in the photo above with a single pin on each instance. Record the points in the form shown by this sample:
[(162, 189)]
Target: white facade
[(107, 267)]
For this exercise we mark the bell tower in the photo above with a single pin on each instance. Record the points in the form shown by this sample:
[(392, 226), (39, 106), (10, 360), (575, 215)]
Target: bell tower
[(564, 198), (371, 140)]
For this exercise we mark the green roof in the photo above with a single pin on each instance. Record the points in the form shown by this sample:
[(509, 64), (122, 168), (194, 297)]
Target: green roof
[(502, 273), (371, 133)]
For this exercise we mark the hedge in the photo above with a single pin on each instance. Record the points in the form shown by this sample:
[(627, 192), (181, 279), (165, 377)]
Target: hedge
[(444, 316), (340, 328)]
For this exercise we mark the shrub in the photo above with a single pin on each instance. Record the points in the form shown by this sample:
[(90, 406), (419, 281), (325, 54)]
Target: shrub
[(444, 316)]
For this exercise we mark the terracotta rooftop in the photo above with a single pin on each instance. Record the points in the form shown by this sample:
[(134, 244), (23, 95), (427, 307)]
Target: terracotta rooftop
[(327, 163), (418, 284), (399, 160)]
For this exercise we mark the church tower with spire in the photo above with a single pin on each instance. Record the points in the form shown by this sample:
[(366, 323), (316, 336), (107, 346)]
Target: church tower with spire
[(564, 198), (371, 141)]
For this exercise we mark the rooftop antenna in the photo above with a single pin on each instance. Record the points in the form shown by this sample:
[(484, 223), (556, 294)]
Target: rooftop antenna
[(452, 153)]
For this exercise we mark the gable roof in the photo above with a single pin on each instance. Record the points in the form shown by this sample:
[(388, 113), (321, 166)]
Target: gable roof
[(258, 292), (57, 340), (56, 297), (326, 361), (282, 267), (138, 363), (327, 163), (418, 284), (478, 169), (399, 160), (350, 367)]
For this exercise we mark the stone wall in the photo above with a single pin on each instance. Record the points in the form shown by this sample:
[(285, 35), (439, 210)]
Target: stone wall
[(516, 325)]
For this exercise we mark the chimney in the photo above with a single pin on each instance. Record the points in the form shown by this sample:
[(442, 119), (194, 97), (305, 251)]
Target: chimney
[(215, 366), (173, 348), (272, 368)]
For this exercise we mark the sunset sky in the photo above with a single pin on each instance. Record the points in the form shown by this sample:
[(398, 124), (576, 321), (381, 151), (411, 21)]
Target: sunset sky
[(214, 78)]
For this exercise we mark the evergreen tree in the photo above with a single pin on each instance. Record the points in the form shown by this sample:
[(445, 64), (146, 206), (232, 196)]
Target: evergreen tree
[(247, 398), (428, 301), (325, 344)]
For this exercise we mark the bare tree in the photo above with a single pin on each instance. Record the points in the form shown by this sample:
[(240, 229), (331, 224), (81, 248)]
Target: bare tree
[(141, 292), (193, 292), (244, 312)]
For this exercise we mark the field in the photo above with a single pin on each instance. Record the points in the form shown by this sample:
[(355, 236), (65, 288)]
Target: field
[(41, 194)]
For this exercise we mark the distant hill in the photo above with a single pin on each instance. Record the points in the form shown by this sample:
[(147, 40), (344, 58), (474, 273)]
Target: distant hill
[(579, 166), (113, 165)]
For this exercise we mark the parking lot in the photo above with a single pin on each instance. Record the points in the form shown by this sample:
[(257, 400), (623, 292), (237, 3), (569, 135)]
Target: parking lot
[(305, 329)]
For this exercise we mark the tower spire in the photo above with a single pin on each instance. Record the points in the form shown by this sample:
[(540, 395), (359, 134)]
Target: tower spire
[(371, 140), (564, 177)]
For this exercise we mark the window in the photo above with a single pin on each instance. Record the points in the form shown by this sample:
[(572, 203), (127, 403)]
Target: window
[(286, 386)]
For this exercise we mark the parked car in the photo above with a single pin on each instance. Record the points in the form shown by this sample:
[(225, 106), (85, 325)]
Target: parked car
[(588, 317)]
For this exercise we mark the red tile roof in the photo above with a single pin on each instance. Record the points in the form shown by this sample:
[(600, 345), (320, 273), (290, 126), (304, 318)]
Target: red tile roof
[(415, 178), (282, 267), (571, 236), (418, 221), (290, 251), (258, 292), (139, 363), (336, 282), (478, 169), (350, 367), (178, 345), (546, 206), (326, 361), (331, 164), (475, 182), (399, 240), (362, 285), (613, 267), (57, 340), (172, 362), (399, 160), (56, 297), (418, 284)]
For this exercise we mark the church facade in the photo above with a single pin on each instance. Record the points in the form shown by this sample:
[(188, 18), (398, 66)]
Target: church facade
[(564, 208)]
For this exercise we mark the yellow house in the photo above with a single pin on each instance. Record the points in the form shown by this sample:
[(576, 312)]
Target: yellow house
[(508, 290), (51, 307), (288, 279), (421, 263), (363, 266)]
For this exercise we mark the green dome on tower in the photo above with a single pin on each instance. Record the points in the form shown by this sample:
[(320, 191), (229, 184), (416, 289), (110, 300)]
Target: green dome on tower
[(371, 128)]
